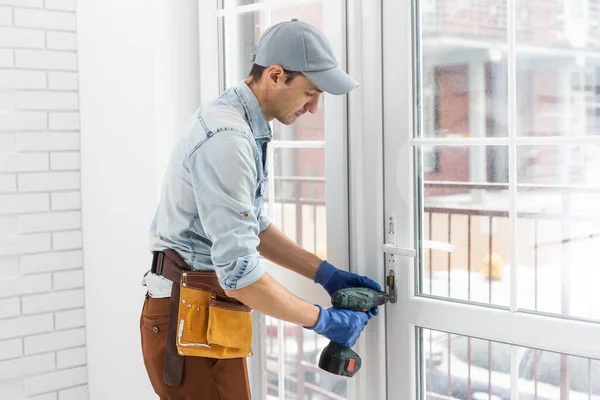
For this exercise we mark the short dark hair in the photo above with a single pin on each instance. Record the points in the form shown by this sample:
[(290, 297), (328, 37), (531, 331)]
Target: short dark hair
[(257, 71)]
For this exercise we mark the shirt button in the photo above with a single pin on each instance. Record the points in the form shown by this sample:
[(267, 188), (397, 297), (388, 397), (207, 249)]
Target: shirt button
[(155, 329)]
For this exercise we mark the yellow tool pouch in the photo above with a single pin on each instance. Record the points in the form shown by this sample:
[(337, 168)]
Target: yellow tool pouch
[(211, 324)]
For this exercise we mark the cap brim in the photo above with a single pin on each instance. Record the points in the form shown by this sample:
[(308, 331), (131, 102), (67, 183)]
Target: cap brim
[(334, 80)]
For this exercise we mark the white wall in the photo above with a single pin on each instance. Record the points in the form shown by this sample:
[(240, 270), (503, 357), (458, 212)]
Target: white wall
[(139, 84), (42, 334)]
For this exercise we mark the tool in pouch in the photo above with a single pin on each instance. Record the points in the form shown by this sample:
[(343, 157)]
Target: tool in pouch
[(335, 358), (211, 324)]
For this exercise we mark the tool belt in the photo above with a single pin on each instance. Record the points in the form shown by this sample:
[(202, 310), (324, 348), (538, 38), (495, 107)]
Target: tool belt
[(203, 320)]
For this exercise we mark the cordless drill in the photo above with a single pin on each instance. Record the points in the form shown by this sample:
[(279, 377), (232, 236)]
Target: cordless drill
[(342, 360)]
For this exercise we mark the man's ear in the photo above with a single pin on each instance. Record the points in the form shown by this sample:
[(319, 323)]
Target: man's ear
[(274, 74)]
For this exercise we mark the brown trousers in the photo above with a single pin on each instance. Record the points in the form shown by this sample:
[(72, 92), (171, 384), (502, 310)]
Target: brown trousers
[(203, 378)]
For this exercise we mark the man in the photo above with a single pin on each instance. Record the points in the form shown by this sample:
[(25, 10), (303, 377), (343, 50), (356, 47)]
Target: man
[(210, 215)]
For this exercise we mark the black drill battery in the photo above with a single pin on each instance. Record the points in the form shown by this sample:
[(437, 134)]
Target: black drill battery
[(339, 360)]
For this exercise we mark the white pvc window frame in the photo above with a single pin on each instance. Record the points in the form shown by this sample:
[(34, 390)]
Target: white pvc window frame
[(511, 326)]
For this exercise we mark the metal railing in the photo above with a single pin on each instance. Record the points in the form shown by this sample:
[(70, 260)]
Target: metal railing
[(491, 215)]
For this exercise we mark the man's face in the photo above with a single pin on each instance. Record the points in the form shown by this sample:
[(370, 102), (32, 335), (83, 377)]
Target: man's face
[(290, 101)]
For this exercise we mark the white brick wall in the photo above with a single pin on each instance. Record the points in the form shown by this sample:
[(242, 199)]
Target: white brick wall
[(9, 267), (15, 79), (42, 320), (33, 264), (78, 393), (46, 60), (71, 358), (27, 366), (69, 319), (61, 40), (5, 16), (56, 380), (63, 81), (10, 308), (46, 141), (10, 349), (65, 201), (55, 341), (21, 38), (67, 241), (48, 181), (47, 396), (23, 3), (63, 121)]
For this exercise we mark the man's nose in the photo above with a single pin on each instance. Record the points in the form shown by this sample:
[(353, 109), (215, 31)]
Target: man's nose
[(313, 105)]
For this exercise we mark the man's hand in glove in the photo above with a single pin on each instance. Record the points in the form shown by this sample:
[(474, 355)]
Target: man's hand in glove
[(333, 279)]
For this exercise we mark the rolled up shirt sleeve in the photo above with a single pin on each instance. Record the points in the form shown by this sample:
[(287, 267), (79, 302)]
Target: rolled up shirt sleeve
[(264, 222), (224, 176)]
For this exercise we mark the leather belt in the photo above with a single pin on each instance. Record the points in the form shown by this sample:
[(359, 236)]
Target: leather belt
[(168, 264)]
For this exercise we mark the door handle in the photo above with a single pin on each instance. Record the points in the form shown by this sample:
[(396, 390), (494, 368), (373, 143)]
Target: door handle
[(392, 248)]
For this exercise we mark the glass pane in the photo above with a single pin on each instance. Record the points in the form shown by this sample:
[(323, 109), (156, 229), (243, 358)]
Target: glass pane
[(557, 376), (557, 88), (464, 69), (559, 234), (300, 212), (241, 31), (461, 367), (466, 204)]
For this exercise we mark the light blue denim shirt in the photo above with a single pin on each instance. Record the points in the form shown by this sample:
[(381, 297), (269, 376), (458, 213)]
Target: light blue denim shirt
[(211, 201)]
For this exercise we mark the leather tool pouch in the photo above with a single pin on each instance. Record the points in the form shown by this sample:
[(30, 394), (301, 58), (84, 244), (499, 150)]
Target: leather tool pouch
[(211, 324)]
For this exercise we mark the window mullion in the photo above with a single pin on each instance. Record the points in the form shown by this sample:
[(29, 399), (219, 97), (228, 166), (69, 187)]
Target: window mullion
[(512, 150)]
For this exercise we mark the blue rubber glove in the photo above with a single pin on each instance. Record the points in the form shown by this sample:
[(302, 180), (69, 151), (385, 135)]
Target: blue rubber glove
[(334, 279), (342, 326)]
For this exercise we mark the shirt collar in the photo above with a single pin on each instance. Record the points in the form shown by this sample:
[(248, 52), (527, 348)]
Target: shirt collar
[(254, 113)]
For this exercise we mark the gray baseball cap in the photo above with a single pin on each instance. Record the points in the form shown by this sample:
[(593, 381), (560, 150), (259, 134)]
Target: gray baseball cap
[(299, 46)]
